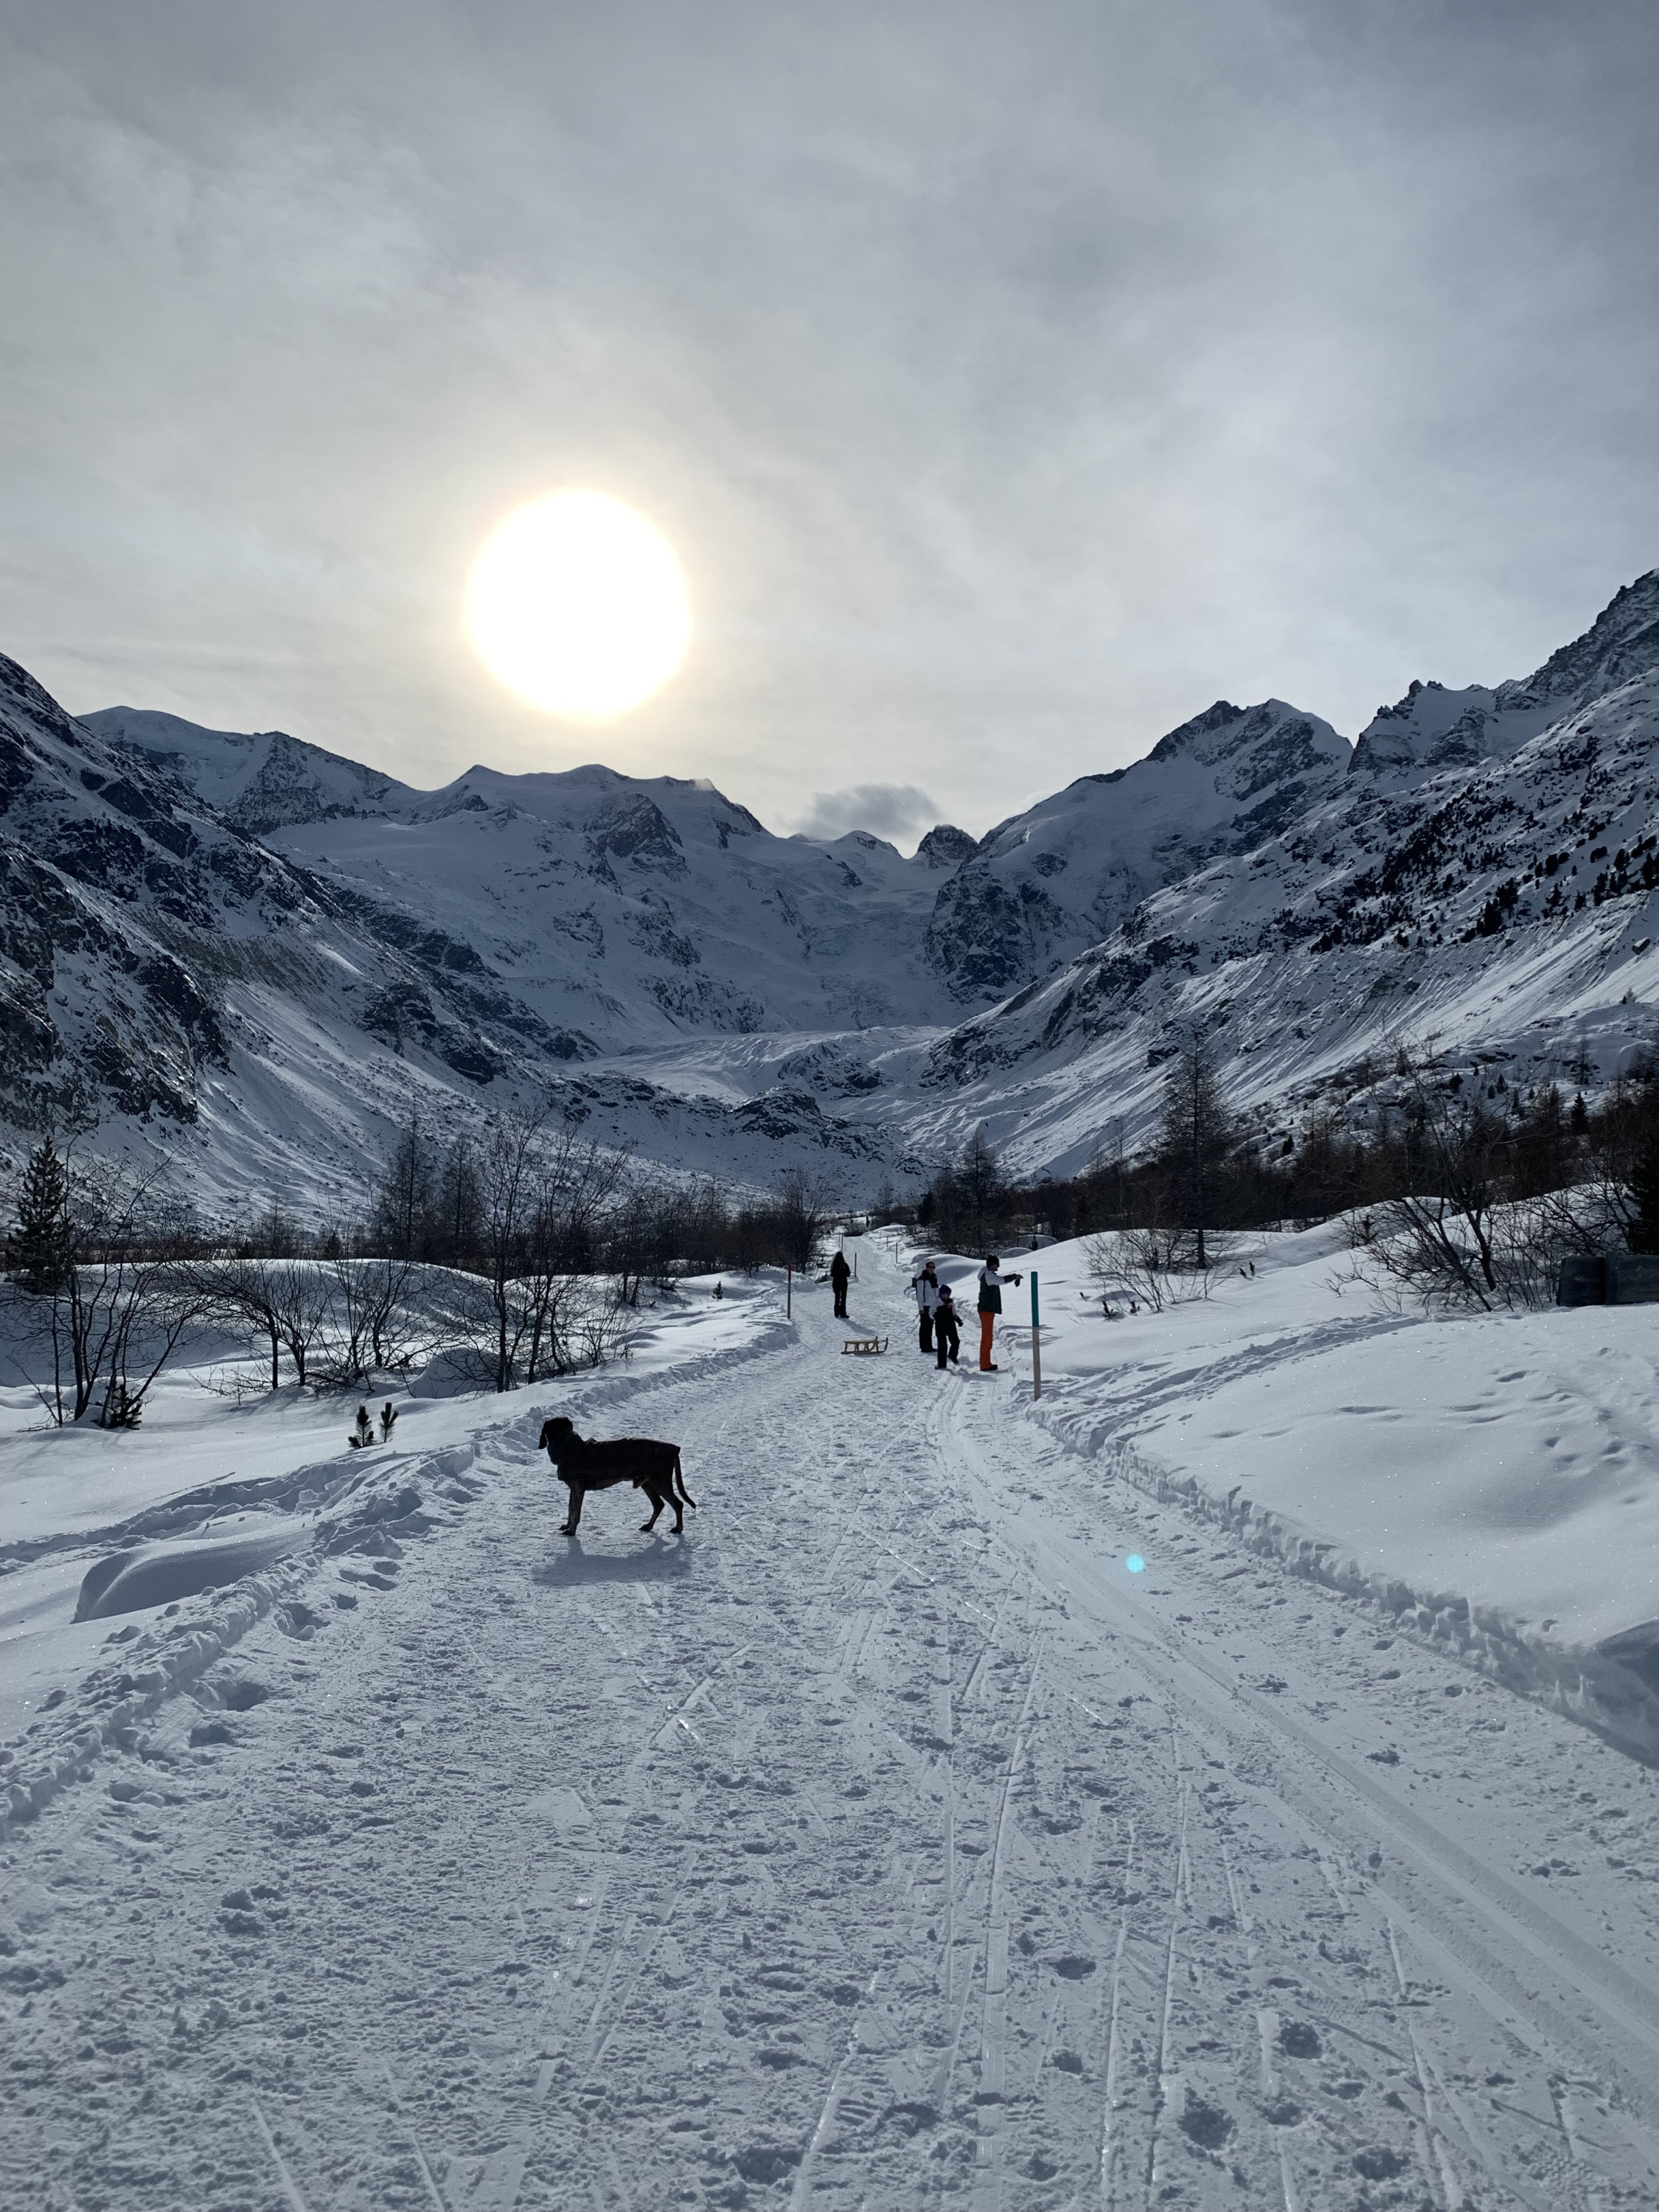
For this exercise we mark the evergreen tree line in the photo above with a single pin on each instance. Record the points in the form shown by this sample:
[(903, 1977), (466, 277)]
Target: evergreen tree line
[(1475, 1190)]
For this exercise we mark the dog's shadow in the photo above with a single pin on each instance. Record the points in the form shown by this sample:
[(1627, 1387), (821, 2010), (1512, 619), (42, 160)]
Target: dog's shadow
[(661, 1560)]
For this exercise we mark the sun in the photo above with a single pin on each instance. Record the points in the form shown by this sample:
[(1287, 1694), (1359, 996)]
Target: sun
[(579, 605)]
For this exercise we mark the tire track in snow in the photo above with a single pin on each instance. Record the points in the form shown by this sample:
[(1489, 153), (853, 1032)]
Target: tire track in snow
[(993, 2064), (1110, 2133)]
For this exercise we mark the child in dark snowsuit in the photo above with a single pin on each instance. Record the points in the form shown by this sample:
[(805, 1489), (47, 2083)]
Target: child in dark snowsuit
[(946, 1335)]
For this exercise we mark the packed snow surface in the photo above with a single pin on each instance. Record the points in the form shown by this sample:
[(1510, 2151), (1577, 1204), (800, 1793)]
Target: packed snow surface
[(1511, 1460), (884, 1842)]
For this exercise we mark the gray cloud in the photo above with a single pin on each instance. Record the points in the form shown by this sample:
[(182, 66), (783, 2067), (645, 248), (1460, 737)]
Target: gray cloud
[(1013, 381), (897, 811)]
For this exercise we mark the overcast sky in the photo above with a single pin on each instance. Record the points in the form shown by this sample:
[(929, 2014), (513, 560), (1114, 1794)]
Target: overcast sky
[(1012, 379)]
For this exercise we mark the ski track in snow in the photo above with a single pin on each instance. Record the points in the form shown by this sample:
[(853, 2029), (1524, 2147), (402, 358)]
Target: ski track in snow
[(881, 1843)]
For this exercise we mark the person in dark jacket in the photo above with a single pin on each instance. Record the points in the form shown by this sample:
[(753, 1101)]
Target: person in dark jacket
[(991, 1280), (840, 1275), (926, 1286), (945, 1335)]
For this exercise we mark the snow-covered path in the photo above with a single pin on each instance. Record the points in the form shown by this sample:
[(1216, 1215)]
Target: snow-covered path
[(884, 1843)]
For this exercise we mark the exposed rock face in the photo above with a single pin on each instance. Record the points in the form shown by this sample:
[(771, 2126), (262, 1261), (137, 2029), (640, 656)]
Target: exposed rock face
[(100, 869), (1479, 871), (1047, 883), (1432, 728), (946, 847), (1486, 883), (136, 918)]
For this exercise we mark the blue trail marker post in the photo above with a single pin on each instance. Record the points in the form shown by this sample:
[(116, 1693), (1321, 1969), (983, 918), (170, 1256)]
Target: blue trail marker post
[(1036, 1348)]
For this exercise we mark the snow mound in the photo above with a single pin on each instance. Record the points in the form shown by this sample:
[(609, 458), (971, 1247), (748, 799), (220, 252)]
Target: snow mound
[(452, 1372), (162, 1574)]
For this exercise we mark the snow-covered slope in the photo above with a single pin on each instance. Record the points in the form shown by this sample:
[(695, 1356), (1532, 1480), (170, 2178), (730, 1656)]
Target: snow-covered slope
[(165, 972), (1050, 882), (262, 781), (1479, 885), (626, 908), (274, 947)]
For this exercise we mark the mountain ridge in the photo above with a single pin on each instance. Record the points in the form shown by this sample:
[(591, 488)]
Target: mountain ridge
[(272, 949)]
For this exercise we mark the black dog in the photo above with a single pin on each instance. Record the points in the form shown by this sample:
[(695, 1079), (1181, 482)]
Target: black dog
[(585, 1464)]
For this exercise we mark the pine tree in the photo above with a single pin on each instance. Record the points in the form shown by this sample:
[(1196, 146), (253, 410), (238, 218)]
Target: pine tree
[(1643, 1234), (403, 1202), (456, 1228), (980, 1187), (1197, 1136), (38, 1249)]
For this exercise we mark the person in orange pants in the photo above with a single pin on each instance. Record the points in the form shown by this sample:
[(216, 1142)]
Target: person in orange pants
[(991, 1281)]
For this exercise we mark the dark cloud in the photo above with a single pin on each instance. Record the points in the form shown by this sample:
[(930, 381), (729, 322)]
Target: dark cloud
[(1013, 380), (898, 811)]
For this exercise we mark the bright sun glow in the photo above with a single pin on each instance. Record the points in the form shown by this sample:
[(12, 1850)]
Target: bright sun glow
[(579, 605)]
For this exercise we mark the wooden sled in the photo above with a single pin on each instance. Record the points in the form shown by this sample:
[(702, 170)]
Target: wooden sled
[(865, 1344)]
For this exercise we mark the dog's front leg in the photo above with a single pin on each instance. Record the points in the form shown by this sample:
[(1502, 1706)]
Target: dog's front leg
[(572, 1520)]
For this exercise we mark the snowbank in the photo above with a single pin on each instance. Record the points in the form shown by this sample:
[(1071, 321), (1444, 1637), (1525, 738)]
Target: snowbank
[(1497, 1476)]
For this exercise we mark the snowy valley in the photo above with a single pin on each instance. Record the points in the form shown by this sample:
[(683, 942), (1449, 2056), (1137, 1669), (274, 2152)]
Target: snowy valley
[(1228, 1777), (258, 952), (986, 1802)]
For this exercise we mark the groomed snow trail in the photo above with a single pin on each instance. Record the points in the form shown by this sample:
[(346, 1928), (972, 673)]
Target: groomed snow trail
[(881, 1843)]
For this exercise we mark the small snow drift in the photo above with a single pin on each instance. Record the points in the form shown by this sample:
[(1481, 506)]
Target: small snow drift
[(160, 1574), (453, 1371)]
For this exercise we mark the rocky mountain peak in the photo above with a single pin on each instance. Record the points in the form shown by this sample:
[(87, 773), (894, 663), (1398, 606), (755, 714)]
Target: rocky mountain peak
[(261, 781), (1431, 728), (1191, 736), (1622, 642), (1255, 746), (1046, 883), (946, 847)]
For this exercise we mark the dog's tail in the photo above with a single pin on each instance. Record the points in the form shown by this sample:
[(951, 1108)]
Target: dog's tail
[(685, 1495)]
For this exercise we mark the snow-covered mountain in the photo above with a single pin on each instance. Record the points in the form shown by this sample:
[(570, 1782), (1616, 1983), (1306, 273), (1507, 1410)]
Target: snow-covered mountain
[(1479, 885), (166, 972), (1047, 883), (260, 781), (624, 909), (270, 949)]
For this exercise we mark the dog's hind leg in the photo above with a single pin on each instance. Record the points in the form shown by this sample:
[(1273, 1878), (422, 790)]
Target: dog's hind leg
[(657, 1501)]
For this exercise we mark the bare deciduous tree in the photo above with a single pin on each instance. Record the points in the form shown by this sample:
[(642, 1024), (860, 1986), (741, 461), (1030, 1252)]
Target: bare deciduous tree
[(123, 1298)]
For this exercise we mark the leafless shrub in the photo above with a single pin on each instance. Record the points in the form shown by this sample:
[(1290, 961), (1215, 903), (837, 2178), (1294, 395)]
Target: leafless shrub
[(1465, 1240), (1471, 1253), (373, 1324), (1155, 1266)]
